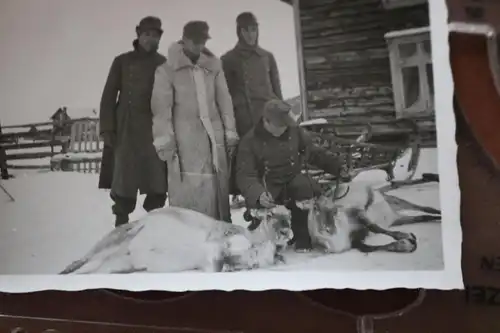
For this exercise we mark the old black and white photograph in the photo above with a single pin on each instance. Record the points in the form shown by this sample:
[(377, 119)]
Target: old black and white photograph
[(227, 144)]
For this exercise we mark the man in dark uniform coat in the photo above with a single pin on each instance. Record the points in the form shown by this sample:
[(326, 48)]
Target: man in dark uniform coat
[(3, 164), (4, 171), (252, 77), (270, 160), (130, 162)]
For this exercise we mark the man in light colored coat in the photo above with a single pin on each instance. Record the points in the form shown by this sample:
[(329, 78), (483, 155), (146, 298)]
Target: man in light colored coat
[(193, 124)]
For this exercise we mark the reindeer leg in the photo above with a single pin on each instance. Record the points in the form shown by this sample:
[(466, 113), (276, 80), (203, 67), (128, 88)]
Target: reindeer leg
[(405, 220), (129, 271), (403, 204), (407, 245), (397, 235), (361, 217)]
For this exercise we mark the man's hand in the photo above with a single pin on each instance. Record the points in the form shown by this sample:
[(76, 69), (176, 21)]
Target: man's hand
[(348, 175), (232, 139), (266, 200), (109, 139), (166, 154), (231, 150)]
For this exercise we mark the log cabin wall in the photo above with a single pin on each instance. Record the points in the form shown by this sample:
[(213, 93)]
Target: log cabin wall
[(347, 65)]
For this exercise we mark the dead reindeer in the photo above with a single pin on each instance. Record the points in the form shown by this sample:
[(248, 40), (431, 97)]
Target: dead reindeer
[(338, 225), (386, 207), (269, 240), (175, 239)]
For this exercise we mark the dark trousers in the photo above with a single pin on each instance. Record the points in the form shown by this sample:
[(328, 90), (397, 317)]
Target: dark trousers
[(233, 188), (124, 206), (302, 187)]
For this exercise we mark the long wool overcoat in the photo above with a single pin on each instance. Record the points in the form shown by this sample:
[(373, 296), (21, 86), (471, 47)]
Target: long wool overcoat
[(253, 78), (132, 164), (194, 120)]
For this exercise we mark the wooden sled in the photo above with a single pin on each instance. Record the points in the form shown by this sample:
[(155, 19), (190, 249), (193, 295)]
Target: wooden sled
[(364, 152)]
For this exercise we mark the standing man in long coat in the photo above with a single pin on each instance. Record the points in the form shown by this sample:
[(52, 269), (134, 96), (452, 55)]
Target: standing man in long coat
[(252, 77), (130, 162), (193, 124), (4, 171)]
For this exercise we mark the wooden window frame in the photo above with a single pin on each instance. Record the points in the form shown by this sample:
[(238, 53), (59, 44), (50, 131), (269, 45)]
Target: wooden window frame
[(390, 4), (425, 105)]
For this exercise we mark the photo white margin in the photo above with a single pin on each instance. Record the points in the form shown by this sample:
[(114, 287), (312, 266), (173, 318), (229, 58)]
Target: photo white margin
[(447, 279)]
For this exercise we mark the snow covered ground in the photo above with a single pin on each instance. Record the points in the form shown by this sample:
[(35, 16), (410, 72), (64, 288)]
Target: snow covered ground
[(57, 217)]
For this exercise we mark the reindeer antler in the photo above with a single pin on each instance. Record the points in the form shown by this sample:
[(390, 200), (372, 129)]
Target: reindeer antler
[(337, 189), (365, 135)]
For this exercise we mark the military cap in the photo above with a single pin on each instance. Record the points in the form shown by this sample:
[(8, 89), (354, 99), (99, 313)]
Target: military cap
[(150, 23), (196, 31), (277, 112)]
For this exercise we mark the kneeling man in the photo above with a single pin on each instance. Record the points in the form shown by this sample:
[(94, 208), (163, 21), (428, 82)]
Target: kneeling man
[(269, 164)]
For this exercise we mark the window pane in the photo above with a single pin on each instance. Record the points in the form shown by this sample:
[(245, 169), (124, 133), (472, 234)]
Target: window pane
[(430, 80), (427, 46), (411, 85), (407, 50)]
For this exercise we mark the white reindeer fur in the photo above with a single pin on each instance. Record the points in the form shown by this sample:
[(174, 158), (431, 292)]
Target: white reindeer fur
[(174, 239), (359, 194)]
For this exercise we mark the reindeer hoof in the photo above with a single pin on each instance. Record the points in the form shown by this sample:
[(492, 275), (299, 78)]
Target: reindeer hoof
[(406, 245)]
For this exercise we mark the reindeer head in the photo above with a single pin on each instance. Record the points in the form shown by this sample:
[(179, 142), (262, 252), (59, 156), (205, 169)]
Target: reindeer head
[(274, 224), (324, 211), (267, 240)]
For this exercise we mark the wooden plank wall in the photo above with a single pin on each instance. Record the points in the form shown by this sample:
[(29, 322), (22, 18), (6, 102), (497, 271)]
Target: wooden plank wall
[(346, 62)]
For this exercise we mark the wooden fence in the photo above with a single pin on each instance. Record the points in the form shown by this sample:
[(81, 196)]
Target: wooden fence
[(74, 145), (84, 153)]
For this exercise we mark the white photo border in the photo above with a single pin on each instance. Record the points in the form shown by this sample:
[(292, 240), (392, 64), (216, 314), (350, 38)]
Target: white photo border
[(447, 279)]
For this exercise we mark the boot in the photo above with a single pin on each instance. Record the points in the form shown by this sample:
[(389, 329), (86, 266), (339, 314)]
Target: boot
[(154, 201), (5, 174), (121, 220), (301, 239)]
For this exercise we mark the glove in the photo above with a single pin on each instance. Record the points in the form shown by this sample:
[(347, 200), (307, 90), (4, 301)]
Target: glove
[(266, 200), (109, 139)]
